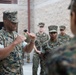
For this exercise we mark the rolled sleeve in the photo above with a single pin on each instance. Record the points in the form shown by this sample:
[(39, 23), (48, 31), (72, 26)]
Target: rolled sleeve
[(24, 44), (1, 46)]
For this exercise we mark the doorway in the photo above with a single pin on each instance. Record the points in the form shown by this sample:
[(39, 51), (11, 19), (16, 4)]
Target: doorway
[(1, 25)]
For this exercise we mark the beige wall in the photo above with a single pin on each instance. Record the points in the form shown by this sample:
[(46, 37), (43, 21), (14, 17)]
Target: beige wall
[(51, 12)]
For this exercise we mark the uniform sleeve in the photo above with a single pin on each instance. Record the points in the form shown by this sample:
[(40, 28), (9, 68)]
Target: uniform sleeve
[(63, 64), (1, 46), (2, 43), (55, 66), (44, 48), (47, 37)]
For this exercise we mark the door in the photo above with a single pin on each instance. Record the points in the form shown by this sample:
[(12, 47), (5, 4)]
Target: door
[(1, 25)]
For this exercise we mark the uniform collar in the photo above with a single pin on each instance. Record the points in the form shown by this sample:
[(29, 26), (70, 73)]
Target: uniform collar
[(7, 33)]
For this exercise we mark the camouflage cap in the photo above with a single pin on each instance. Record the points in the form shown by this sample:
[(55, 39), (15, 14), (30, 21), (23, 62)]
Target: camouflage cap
[(62, 27), (10, 15), (53, 28), (41, 24)]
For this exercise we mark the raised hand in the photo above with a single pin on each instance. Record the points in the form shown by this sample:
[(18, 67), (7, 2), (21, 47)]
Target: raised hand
[(19, 39), (32, 36)]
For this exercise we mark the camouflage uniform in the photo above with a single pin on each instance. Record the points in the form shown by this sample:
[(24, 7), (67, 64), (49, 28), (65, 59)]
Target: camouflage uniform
[(63, 61), (64, 38), (13, 63), (50, 46), (41, 38)]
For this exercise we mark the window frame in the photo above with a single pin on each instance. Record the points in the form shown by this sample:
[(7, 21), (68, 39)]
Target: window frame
[(8, 1)]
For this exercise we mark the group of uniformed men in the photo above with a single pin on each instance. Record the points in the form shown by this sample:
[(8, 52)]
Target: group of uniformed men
[(59, 55), (56, 53), (46, 44)]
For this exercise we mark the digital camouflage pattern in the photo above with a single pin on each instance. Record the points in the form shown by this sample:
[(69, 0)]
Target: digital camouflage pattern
[(10, 15), (64, 38), (41, 24), (12, 64), (63, 60), (41, 38), (53, 28), (48, 49)]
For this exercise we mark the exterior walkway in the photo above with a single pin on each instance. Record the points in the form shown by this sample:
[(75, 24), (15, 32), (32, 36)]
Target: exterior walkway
[(27, 69)]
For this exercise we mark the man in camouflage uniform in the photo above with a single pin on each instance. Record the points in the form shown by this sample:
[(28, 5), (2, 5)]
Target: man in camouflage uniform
[(63, 62), (63, 37), (52, 44), (41, 38), (12, 45), (28, 41)]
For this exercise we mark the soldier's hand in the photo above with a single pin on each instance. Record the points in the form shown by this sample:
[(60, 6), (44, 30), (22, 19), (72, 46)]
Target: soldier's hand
[(19, 39), (39, 52), (32, 36)]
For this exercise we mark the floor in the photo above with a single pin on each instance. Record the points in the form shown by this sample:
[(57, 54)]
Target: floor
[(27, 69)]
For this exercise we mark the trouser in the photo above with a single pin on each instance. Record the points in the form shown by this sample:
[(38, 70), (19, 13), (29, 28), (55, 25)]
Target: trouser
[(36, 61), (28, 57)]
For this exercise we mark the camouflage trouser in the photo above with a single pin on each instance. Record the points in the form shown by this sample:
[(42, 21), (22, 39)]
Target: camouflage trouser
[(7, 71), (28, 57), (36, 60), (9, 74)]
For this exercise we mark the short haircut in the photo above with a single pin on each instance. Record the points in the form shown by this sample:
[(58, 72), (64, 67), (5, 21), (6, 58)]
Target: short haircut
[(73, 5)]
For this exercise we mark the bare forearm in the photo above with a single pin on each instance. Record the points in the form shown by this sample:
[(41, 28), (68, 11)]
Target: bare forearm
[(4, 52), (29, 47), (35, 49)]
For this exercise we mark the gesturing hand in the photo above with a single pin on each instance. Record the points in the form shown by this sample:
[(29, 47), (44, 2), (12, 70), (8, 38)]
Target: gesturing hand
[(32, 36), (19, 39)]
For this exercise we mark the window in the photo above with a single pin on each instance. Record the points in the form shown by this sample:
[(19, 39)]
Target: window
[(8, 1)]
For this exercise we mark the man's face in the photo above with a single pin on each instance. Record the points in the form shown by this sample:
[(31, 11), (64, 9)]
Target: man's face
[(41, 29), (73, 22), (53, 35), (62, 31), (10, 26)]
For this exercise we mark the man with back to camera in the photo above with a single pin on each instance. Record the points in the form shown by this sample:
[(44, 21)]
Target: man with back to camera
[(63, 62), (12, 45)]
